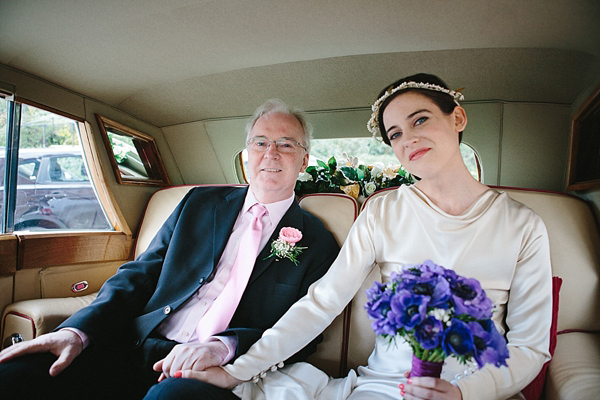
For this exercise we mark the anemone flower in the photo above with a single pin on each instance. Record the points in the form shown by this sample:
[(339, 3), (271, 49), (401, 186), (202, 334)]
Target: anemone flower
[(429, 333), (489, 344), (469, 298), (410, 309), (458, 339)]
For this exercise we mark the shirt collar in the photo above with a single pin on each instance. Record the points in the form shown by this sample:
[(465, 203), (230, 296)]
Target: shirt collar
[(276, 210)]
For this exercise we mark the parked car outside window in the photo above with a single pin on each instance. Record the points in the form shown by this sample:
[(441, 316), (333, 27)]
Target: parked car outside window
[(54, 191)]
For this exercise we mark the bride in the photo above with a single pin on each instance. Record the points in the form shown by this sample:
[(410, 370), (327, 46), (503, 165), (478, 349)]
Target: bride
[(447, 217)]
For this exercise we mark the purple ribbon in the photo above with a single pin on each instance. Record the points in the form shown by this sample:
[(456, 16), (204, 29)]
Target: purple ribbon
[(426, 368)]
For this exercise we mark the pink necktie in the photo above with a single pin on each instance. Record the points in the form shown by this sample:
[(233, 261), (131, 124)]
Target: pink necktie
[(219, 314)]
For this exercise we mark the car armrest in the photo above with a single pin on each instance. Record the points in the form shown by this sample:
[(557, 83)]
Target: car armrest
[(32, 318)]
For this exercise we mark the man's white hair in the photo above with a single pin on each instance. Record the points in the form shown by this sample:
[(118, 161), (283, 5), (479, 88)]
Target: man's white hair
[(276, 106)]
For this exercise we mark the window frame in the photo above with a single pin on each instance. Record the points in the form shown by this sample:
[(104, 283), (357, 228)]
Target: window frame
[(574, 180), (478, 162), (240, 169), (150, 157), (46, 248), (11, 171)]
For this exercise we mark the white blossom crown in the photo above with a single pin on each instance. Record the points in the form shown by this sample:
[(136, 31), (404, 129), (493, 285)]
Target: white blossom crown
[(373, 124)]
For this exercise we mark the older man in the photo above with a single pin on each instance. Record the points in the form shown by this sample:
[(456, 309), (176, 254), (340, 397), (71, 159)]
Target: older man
[(202, 293)]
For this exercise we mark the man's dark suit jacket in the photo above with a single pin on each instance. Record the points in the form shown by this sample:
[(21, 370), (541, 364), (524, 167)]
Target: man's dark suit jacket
[(183, 256)]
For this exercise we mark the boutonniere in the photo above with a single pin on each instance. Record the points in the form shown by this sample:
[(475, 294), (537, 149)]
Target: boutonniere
[(285, 245)]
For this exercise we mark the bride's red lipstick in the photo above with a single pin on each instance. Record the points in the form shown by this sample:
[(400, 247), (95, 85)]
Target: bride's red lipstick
[(415, 155)]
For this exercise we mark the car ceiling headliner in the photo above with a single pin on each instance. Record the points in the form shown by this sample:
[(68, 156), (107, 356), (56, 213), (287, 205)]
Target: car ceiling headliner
[(170, 62)]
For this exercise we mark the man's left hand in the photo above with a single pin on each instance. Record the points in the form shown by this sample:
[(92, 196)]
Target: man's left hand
[(191, 357), (216, 376)]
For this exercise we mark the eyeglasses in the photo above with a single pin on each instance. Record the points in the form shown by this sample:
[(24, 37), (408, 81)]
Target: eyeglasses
[(283, 145)]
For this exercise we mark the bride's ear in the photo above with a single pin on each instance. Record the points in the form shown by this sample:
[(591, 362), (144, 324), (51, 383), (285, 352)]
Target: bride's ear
[(460, 118)]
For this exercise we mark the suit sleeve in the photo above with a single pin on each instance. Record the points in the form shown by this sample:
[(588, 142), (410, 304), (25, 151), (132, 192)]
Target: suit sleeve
[(124, 295)]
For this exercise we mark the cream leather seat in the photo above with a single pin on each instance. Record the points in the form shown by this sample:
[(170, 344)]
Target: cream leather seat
[(32, 318), (574, 373)]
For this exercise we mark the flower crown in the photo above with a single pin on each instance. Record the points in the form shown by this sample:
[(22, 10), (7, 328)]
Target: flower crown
[(373, 124)]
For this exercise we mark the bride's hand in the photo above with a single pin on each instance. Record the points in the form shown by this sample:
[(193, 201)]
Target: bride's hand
[(423, 388), (214, 375)]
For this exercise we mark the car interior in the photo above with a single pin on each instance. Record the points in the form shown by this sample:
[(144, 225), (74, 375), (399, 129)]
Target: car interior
[(155, 96)]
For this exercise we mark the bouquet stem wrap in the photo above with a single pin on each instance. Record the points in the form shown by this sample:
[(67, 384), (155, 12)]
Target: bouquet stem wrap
[(426, 368)]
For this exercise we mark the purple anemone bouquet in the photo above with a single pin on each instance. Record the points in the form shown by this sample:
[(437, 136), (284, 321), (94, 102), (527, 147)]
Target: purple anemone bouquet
[(439, 313)]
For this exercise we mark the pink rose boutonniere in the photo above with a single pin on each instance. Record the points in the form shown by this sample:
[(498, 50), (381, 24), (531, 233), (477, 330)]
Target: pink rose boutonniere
[(285, 245)]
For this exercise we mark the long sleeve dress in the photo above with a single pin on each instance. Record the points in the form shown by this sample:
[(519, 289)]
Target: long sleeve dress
[(497, 240)]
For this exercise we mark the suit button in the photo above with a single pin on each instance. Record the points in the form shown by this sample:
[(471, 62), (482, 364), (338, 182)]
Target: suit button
[(137, 342), (202, 280), (167, 309)]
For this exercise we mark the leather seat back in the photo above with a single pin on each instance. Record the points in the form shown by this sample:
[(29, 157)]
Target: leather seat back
[(337, 212)]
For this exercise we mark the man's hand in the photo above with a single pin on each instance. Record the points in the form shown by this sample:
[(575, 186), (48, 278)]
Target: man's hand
[(64, 344), (214, 375), (193, 357)]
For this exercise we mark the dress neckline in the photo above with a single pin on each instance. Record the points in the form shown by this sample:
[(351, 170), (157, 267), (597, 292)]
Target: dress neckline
[(479, 206)]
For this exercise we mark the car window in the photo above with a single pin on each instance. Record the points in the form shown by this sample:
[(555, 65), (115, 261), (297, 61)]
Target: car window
[(367, 151), (28, 170), (53, 189), (472, 160), (3, 130), (68, 169)]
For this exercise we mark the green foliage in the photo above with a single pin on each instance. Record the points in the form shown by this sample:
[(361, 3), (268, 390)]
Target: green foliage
[(367, 149), (40, 128), (119, 148), (3, 119), (354, 180)]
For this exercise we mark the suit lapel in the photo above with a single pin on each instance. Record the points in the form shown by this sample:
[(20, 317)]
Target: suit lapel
[(292, 218), (224, 217)]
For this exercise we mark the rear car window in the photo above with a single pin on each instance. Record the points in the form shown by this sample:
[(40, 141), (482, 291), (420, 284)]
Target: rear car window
[(53, 189)]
